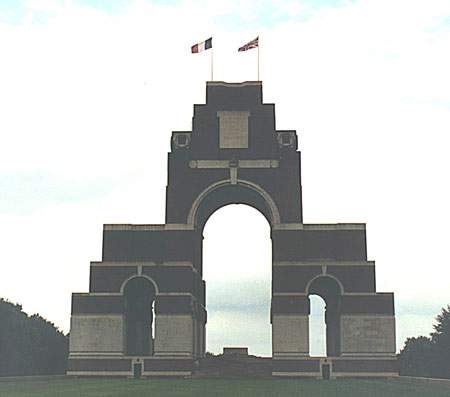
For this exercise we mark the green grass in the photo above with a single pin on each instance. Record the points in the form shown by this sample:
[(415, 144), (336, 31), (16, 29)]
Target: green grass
[(206, 387)]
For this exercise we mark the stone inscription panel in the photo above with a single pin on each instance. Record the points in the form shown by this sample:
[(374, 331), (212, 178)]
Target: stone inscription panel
[(290, 334), (233, 129), (173, 334), (367, 334), (90, 334)]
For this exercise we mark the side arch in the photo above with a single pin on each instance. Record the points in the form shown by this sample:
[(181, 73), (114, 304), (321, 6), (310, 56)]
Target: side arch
[(310, 282), (139, 295), (125, 282), (222, 193), (330, 289)]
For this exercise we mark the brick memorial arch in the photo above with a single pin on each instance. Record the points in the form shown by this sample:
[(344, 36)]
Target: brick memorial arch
[(145, 311)]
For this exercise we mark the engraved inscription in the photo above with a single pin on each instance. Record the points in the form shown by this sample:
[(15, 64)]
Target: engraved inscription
[(362, 334), (96, 333), (233, 129)]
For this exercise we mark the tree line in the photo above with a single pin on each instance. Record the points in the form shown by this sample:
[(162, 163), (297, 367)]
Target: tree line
[(30, 345), (428, 356)]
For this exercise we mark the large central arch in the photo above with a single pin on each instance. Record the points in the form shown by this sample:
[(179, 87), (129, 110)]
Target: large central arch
[(234, 154), (237, 257)]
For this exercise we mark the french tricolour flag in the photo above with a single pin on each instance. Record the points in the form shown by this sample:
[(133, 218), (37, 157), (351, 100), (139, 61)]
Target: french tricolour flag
[(204, 45)]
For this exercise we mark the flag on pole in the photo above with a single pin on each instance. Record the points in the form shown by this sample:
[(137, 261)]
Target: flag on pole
[(252, 44), (204, 45)]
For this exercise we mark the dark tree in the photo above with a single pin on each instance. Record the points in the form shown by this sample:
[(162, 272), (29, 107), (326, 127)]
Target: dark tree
[(441, 344), (428, 357), (29, 345), (416, 357)]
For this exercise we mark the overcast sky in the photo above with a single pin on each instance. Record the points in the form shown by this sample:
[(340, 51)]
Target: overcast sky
[(91, 90)]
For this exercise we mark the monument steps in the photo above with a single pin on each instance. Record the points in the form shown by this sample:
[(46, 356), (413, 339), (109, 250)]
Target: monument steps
[(221, 367)]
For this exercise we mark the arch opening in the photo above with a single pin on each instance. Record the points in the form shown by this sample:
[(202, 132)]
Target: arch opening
[(329, 290), (237, 270), (317, 327), (139, 293)]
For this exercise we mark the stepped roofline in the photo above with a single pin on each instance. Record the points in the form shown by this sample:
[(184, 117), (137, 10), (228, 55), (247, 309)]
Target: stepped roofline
[(225, 84)]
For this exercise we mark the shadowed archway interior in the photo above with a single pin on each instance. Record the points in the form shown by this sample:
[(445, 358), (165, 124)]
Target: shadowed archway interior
[(139, 296), (328, 289)]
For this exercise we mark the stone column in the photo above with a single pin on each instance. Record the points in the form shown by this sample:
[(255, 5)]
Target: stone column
[(290, 336), (174, 326), (290, 326)]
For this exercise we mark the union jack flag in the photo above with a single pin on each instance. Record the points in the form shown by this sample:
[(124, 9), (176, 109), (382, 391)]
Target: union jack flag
[(252, 44)]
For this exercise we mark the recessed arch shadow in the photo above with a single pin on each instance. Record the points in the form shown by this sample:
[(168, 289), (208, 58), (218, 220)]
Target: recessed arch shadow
[(139, 293), (127, 280), (318, 284)]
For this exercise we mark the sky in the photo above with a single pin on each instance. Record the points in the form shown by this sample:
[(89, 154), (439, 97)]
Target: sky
[(90, 92)]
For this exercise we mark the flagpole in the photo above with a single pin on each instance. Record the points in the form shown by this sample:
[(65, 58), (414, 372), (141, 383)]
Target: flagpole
[(258, 58), (212, 64)]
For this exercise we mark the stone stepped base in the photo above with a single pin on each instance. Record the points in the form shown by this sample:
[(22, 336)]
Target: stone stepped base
[(222, 367)]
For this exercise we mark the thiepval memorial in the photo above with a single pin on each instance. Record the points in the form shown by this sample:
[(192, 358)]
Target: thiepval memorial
[(145, 309)]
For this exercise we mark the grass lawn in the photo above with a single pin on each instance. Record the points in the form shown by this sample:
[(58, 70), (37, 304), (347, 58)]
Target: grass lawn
[(206, 387)]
